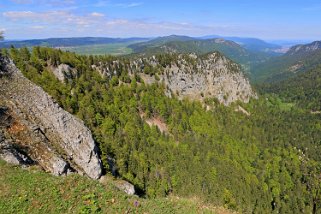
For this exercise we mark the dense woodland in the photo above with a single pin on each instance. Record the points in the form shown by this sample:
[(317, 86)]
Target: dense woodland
[(268, 162), (303, 89), (286, 66)]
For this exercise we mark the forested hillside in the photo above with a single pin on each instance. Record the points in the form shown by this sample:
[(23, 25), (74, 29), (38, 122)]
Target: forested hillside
[(303, 89), (265, 161), (298, 59), (180, 44)]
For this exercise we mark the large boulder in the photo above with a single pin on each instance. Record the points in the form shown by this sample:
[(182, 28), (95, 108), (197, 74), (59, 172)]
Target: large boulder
[(125, 186), (54, 138)]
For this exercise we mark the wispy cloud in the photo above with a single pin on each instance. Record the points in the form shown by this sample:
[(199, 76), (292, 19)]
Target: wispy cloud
[(62, 18), (38, 27), (98, 21), (129, 5), (66, 23), (106, 3), (95, 14), (54, 3), (22, 1)]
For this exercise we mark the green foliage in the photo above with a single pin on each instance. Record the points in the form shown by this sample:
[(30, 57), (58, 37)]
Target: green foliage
[(90, 204), (33, 191), (304, 89), (263, 163), (286, 66), (180, 44), (101, 49)]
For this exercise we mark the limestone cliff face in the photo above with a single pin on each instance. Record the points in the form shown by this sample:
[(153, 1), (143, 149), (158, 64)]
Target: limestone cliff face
[(191, 76), (38, 129), (213, 76)]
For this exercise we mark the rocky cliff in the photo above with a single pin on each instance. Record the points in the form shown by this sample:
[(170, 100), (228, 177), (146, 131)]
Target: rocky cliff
[(189, 76), (34, 129), (213, 76)]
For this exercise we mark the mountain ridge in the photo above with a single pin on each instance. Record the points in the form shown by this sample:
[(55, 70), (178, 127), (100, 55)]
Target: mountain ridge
[(298, 59)]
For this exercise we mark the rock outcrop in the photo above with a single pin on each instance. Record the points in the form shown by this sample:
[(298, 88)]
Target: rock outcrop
[(214, 76), (37, 126), (12, 155), (126, 187), (64, 72), (190, 76)]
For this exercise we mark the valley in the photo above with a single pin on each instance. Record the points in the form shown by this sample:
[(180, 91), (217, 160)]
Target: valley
[(162, 107), (211, 146)]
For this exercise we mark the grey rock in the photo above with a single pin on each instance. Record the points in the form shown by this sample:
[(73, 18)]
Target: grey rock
[(214, 76), (59, 167), (126, 187), (12, 155), (62, 139), (193, 77), (64, 72)]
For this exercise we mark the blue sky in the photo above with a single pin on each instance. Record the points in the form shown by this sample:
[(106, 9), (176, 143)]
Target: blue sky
[(266, 19)]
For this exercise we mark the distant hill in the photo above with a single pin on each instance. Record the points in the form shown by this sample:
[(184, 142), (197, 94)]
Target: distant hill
[(69, 42), (141, 47), (251, 44), (236, 48), (298, 59), (301, 50), (183, 44)]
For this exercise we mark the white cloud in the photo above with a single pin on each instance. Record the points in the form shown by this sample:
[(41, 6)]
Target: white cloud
[(22, 1), (38, 27), (51, 18), (56, 3), (129, 5), (59, 2), (106, 3), (95, 14), (63, 23)]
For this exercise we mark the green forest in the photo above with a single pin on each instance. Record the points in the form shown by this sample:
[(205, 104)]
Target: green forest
[(303, 89), (267, 162)]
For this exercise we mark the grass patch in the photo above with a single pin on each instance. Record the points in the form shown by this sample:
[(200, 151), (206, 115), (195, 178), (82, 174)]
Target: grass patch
[(101, 49), (33, 191)]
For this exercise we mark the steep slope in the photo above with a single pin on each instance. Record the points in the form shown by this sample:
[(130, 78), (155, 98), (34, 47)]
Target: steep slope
[(191, 76), (262, 162), (303, 89), (23, 190), (302, 50), (213, 76), (39, 128), (298, 59)]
